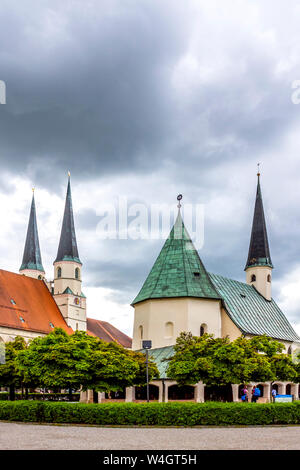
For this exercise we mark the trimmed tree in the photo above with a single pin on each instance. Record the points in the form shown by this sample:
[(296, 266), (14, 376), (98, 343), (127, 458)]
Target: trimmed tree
[(10, 374), (217, 361)]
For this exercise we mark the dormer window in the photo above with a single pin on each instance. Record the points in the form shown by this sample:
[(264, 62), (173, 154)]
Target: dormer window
[(22, 319), (196, 274), (12, 301), (51, 324)]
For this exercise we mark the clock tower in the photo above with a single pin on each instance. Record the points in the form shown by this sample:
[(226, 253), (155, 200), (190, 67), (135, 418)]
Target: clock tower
[(67, 272)]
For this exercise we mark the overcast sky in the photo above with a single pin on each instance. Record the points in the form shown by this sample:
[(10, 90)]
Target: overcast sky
[(144, 100)]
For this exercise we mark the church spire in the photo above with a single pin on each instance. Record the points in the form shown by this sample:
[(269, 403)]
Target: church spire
[(32, 260), (259, 265), (259, 252), (67, 249)]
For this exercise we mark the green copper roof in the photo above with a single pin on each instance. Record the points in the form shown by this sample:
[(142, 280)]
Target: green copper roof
[(160, 356), (259, 251), (67, 249), (178, 270), (251, 312), (32, 254), (68, 291)]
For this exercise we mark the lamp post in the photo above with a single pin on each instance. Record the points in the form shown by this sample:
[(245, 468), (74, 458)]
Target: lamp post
[(147, 344)]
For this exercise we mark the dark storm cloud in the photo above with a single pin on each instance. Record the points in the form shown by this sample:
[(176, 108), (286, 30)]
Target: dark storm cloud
[(92, 93), (123, 87)]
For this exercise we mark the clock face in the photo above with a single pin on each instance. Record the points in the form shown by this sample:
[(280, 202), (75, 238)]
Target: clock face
[(77, 301)]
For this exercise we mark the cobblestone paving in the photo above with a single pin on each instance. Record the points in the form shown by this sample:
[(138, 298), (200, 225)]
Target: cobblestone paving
[(30, 436)]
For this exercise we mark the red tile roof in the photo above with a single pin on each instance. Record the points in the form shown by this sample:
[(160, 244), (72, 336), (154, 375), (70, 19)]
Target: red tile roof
[(30, 299), (108, 332)]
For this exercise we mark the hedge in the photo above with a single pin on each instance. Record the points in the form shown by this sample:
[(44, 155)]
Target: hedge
[(40, 396), (153, 414)]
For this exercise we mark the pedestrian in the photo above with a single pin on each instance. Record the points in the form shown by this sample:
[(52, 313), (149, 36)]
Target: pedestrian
[(245, 393), (274, 393), (256, 394)]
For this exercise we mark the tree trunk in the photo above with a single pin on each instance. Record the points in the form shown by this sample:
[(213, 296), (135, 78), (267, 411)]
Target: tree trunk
[(12, 393), (26, 393)]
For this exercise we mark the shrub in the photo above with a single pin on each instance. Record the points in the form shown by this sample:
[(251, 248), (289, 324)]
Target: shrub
[(157, 414)]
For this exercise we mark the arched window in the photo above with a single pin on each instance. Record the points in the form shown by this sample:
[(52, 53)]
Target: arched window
[(77, 273), (169, 329), (269, 278), (59, 271), (39, 277), (141, 333), (253, 278), (203, 329), (289, 350)]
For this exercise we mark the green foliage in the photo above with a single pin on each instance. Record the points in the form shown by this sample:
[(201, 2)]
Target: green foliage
[(71, 361), (155, 414), (40, 396), (217, 361), (10, 375)]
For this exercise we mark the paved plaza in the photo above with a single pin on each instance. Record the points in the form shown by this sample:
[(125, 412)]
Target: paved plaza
[(15, 436)]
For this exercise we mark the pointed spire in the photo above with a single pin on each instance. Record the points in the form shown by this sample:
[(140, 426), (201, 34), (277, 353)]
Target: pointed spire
[(67, 249), (32, 255), (178, 271), (259, 252)]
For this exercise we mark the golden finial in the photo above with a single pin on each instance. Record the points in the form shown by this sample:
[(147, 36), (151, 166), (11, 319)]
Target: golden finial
[(33, 189), (69, 174), (258, 172)]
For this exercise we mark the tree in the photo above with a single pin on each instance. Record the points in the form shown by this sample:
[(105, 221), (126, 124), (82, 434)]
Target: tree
[(59, 360), (10, 375), (217, 361)]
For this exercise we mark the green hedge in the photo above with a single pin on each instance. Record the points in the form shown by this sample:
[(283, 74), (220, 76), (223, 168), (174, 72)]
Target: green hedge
[(40, 396), (159, 414)]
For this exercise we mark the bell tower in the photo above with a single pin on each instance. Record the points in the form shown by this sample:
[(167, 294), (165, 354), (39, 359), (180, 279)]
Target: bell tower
[(67, 272), (259, 265)]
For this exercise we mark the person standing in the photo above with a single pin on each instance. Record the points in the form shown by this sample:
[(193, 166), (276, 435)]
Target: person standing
[(274, 393)]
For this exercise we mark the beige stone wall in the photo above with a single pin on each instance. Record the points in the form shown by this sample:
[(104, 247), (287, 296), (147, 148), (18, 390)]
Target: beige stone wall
[(261, 284), (185, 314), (67, 278), (228, 327), (75, 315), (33, 273), (9, 334), (72, 307)]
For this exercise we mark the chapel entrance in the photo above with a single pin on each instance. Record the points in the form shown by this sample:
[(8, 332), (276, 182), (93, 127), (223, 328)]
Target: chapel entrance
[(186, 392), (218, 393), (141, 392)]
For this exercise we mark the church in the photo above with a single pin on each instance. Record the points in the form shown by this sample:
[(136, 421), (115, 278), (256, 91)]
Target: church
[(180, 295), (32, 306)]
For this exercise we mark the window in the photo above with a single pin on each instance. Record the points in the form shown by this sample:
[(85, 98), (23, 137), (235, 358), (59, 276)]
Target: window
[(253, 278), (12, 301), (77, 273), (141, 332), (59, 272), (51, 324), (269, 278), (289, 350), (22, 319), (196, 274), (169, 329), (203, 329)]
